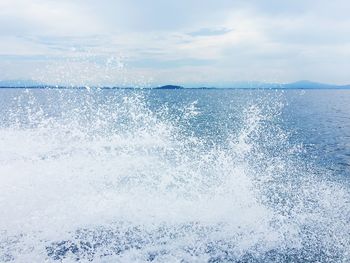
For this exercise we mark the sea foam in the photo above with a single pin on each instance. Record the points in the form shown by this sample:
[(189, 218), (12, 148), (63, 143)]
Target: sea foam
[(90, 177)]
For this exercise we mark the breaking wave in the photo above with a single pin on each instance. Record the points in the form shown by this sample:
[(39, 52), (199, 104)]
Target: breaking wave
[(103, 176)]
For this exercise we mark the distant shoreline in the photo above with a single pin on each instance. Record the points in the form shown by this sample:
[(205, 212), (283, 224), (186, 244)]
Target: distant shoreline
[(200, 88), (244, 85), (249, 85)]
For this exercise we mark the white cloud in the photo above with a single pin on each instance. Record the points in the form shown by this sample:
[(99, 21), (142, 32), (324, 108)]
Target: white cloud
[(180, 41), (47, 17)]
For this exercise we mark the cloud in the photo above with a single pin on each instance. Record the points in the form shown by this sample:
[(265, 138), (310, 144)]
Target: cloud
[(182, 40), (210, 32), (168, 64), (21, 17)]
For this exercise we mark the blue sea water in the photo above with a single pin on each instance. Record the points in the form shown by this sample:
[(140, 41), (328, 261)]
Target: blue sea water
[(174, 175)]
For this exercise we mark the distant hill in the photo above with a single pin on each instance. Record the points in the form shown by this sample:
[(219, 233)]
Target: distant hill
[(20, 83), (303, 84), (170, 87)]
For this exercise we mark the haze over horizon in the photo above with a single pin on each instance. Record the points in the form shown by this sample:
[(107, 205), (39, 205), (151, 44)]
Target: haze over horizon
[(179, 42)]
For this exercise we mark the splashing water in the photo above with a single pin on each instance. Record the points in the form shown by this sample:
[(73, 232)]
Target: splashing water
[(102, 176)]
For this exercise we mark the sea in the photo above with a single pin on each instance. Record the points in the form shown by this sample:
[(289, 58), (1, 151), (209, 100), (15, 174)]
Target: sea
[(184, 175)]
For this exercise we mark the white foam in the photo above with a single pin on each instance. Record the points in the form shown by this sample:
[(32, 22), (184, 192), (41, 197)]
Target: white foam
[(103, 162)]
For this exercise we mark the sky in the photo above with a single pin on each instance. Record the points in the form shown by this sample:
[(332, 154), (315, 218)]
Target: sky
[(185, 42)]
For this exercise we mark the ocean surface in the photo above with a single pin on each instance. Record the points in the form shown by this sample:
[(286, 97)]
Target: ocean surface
[(174, 175)]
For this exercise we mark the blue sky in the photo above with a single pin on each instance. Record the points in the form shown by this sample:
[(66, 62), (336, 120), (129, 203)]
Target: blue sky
[(193, 42)]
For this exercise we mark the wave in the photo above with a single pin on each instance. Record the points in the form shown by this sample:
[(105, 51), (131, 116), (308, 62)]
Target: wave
[(103, 176)]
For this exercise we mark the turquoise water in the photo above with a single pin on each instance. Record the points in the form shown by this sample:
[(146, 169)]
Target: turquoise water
[(174, 175)]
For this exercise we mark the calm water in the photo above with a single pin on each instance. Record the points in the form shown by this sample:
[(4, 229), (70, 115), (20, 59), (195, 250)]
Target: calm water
[(174, 175)]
